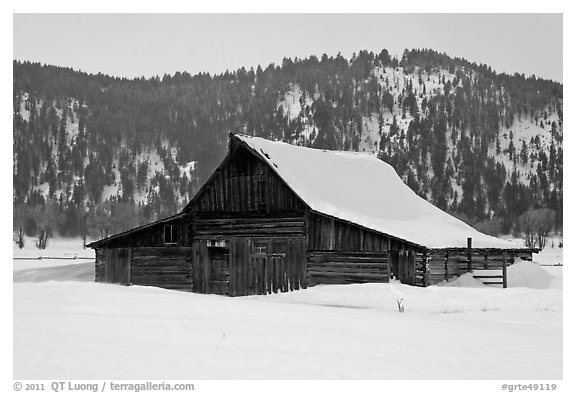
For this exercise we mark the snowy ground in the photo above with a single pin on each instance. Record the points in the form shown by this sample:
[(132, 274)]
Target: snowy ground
[(68, 327)]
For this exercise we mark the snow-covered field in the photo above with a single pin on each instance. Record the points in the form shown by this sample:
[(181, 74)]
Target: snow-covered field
[(68, 327)]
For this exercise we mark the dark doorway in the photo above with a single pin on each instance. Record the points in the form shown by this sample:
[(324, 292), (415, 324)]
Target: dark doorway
[(219, 257), (402, 266)]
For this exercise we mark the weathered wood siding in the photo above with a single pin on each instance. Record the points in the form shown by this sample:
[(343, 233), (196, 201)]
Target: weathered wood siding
[(347, 267), (164, 267), (264, 226), (113, 265), (245, 184), (100, 264), (328, 234), (343, 252), (403, 266)]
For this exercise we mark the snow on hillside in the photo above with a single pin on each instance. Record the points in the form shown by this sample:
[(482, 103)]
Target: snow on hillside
[(395, 80), (24, 112), (149, 154), (524, 130), (66, 326)]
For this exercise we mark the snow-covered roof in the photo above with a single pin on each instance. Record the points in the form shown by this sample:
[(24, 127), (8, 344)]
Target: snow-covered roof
[(360, 188)]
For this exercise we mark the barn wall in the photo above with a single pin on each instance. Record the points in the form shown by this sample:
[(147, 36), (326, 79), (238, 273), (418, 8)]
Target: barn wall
[(164, 267), (331, 234), (343, 253), (113, 265), (347, 267), (245, 184), (224, 227)]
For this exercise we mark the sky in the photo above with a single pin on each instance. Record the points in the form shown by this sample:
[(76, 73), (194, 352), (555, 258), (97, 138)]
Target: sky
[(134, 45)]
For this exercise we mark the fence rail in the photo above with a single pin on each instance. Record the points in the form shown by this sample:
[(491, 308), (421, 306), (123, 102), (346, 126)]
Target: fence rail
[(42, 258)]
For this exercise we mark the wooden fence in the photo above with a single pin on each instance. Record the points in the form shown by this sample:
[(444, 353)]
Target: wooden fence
[(487, 265)]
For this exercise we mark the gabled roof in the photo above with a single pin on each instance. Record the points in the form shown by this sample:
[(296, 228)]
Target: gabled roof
[(105, 240), (362, 189)]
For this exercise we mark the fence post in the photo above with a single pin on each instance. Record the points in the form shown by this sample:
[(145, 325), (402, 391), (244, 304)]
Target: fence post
[(504, 272), (469, 255), (428, 257), (446, 277)]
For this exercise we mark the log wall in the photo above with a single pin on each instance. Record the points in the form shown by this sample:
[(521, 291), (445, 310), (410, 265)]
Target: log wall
[(112, 265), (329, 233), (346, 267), (225, 227), (164, 267)]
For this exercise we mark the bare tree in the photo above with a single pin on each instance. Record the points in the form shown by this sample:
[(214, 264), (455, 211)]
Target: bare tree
[(83, 223), (101, 218), (18, 222), (536, 225), (46, 220)]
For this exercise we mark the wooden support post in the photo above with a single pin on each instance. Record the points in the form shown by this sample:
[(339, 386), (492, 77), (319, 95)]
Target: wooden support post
[(446, 277), (504, 272), (469, 255), (129, 266), (426, 257)]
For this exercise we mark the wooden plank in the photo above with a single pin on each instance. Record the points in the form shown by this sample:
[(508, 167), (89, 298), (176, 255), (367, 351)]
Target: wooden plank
[(350, 275), (301, 257), (277, 268), (504, 270), (495, 276)]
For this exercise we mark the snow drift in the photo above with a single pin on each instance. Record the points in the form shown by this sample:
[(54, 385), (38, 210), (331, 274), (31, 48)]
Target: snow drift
[(77, 272), (529, 275)]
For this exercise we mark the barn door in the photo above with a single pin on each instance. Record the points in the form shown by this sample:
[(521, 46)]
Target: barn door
[(403, 266), (211, 266), (219, 265), (267, 267)]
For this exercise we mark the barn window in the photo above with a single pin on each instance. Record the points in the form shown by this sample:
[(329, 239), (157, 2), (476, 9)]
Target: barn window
[(170, 234), (260, 247), (217, 243)]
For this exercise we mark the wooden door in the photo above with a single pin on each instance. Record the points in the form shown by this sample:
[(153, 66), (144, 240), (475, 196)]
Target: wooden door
[(406, 267), (219, 266), (200, 267), (267, 267)]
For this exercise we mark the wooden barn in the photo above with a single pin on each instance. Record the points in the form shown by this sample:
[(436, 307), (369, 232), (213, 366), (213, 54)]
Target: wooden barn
[(277, 217)]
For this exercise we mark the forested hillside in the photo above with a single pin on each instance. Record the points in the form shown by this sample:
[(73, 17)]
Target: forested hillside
[(99, 154)]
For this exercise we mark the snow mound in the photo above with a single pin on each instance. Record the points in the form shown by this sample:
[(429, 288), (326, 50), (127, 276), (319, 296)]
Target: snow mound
[(78, 272), (528, 275), (465, 281), (434, 299)]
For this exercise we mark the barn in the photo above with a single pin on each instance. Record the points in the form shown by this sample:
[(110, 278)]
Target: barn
[(276, 217)]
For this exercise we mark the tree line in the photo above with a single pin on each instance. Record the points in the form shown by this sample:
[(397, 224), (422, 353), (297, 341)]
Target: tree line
[(450, 152)]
